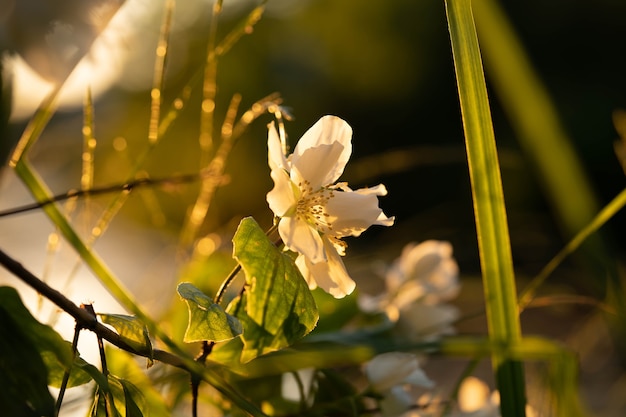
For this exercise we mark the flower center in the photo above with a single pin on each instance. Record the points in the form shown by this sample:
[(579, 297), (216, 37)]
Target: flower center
[(311, 206)]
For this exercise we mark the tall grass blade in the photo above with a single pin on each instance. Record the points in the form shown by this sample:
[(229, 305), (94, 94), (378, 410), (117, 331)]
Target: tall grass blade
[(489, 209)]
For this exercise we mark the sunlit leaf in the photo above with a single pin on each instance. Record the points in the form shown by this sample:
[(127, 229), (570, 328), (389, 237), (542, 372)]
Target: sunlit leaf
[(277, 308), (132, 331), (207, 320)]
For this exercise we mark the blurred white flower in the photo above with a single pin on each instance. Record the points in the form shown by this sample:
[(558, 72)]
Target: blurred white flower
[(425, 271), (315, 212), (392, 375), (426, 322), (417, 283)]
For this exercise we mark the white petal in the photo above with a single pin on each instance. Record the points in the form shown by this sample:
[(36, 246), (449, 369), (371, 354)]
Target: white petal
[(281, 199), (431, 263), (275, 157), (299, 236), (394, 368), (424, 322), (333, 137), (331, 276), (319, 166), (397, 402), (351, 212), (419, 378), (408, 293), (302, 265)]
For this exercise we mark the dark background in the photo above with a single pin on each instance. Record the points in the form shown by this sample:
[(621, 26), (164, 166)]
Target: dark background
[(386, 68)]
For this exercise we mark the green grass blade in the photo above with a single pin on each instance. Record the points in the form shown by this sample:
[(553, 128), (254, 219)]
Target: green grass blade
[(561, 367), (489, 210), (598, 221)]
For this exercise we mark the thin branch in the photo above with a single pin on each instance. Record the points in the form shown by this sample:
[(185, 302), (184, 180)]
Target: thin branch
[(139, 182), (83, 317), (66, 374)]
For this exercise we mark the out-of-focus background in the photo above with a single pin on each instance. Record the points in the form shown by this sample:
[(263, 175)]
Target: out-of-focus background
[(386, 68)]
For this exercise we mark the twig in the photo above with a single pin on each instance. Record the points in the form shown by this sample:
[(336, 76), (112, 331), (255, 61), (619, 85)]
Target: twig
[(82, 317), (140, 182), (66, 375), (103, 360), (207, 348)]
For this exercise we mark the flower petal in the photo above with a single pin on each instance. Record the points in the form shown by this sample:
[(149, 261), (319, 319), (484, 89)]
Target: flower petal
[(426, 322), (323, 151), (299, 236), (389, 369), (352, 212), (281, 199), (431, 263), (397, 402), (275, 157), (318, 166), (331, 276)]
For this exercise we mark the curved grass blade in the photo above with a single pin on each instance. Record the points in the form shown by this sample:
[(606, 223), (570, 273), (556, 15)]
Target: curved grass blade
[(598, 221)]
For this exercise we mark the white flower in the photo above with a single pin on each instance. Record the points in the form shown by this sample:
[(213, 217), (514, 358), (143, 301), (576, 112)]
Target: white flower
[(392, 375), (315, 212), (417, 284), (427, 270), (427, 322)]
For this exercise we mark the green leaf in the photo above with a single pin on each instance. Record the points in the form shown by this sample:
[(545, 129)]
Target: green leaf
[(27, 350), (44, 337), (117, 397), (132, 331), (55, 372), (127, 397), (277, 308), (23, 374), (93, 372), (125, 366), (207, 320)]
